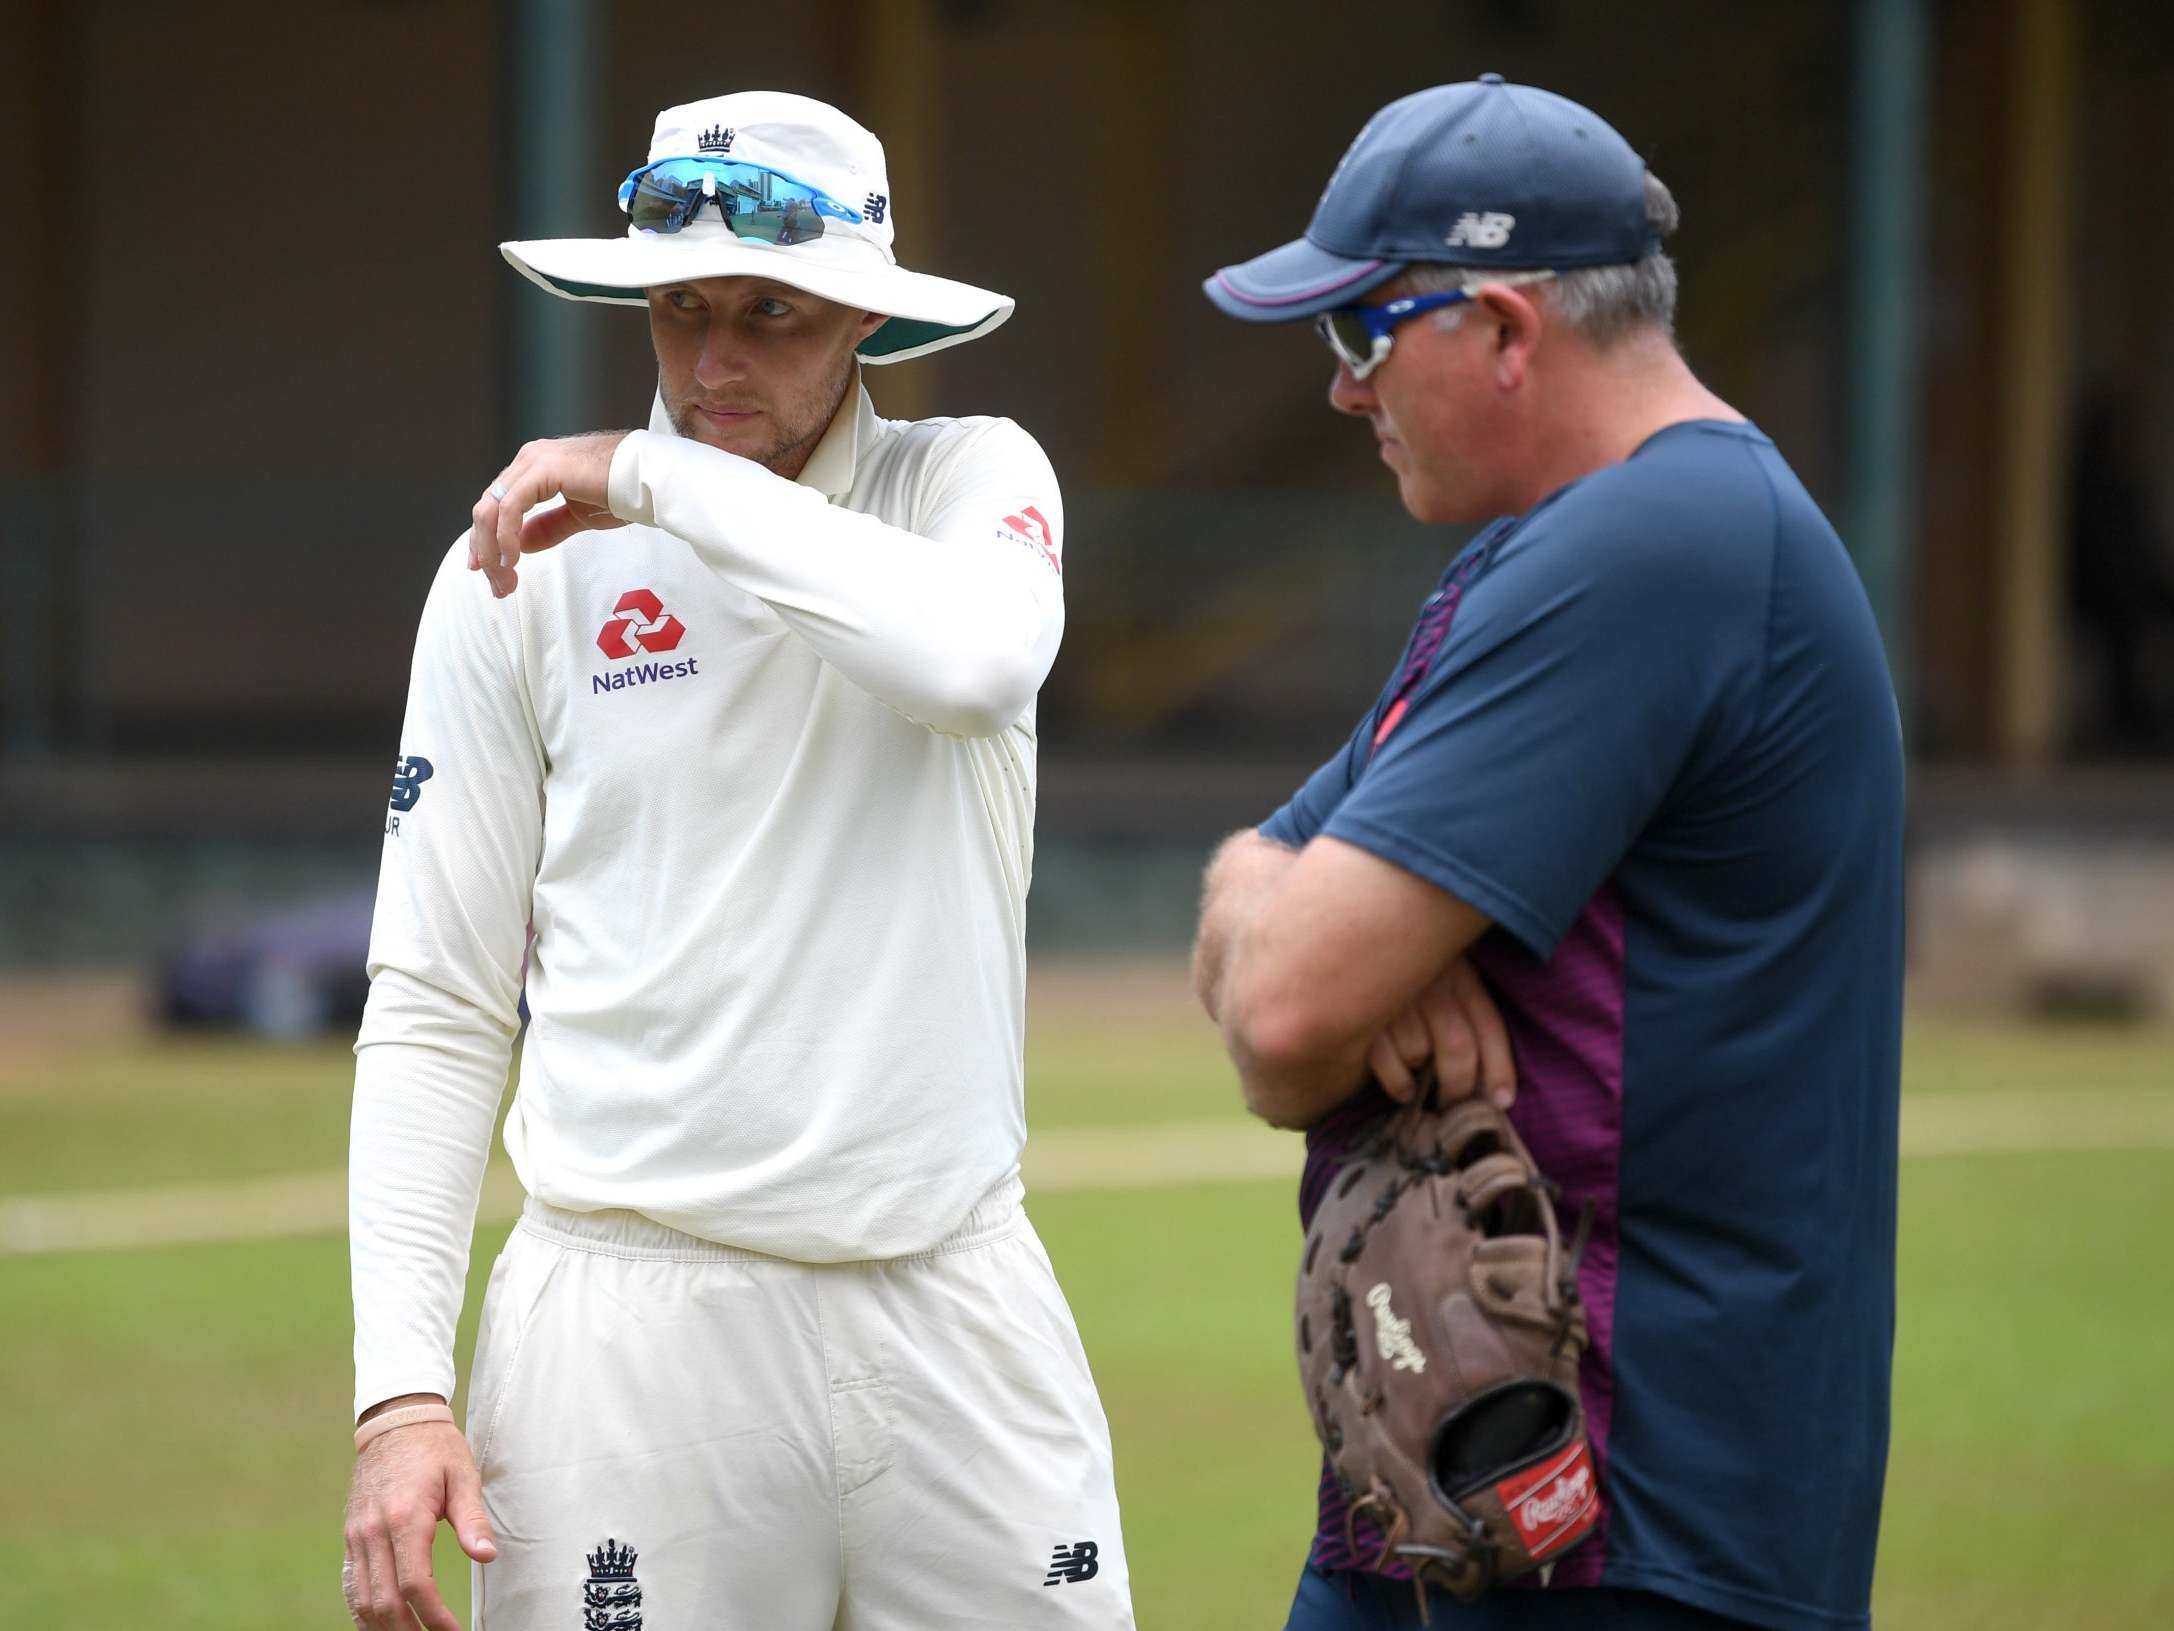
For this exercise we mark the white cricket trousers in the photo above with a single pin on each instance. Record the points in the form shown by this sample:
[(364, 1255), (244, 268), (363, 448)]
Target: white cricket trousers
[(678, 1436)]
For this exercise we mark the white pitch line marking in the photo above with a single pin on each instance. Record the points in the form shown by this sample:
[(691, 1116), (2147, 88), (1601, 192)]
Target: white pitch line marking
[(1160, 1155)]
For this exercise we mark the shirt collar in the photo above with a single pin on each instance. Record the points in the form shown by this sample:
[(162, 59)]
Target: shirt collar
[(831, 467)]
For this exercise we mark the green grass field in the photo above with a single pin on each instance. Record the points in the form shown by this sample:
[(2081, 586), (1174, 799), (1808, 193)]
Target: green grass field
[(175, 1417)]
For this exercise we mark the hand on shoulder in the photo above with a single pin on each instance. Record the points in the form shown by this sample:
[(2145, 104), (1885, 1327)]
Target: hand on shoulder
[(503, 529)]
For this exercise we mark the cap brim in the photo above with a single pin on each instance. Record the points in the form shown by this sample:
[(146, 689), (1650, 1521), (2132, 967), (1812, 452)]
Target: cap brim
[(1299, 280), (926, 313)]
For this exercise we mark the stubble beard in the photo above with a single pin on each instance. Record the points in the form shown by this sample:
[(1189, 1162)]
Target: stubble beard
[(796, 441)]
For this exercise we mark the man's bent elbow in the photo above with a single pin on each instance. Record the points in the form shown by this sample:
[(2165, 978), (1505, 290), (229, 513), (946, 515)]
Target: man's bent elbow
[(1278, 1106), (1207, 972), (981, 696), (1280, 1052), (1279, 1027)]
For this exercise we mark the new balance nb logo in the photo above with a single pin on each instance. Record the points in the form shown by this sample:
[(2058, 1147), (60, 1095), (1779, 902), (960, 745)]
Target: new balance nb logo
[(409, 774), (1488, 231), (1070, 1565), (877, 204)]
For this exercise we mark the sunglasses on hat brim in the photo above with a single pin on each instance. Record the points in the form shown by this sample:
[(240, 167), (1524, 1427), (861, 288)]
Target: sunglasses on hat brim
[(1361, 336), (753, 200)]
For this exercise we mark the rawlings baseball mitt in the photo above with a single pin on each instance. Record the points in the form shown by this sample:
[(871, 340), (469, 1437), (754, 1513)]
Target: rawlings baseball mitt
[(1439, 1330)]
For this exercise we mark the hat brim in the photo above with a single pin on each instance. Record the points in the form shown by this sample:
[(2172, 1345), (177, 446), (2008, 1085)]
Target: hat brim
[(1299, 280), (926, 313)]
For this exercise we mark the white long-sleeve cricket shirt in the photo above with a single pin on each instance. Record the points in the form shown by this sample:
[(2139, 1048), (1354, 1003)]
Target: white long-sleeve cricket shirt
[(759, 769)]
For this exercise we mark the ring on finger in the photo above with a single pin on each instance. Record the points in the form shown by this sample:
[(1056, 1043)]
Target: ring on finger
[(498, 492)]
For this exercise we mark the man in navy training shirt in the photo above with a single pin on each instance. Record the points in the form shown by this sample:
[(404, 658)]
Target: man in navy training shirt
[(1632, 793)]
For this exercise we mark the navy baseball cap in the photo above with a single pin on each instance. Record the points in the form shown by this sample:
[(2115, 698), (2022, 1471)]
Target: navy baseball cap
[(1481, 173)]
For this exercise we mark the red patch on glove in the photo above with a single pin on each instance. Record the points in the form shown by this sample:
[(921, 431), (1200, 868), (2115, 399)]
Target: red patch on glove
[(1555, 1503)]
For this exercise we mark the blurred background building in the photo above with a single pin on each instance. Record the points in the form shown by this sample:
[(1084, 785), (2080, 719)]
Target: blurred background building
[(261, 353)]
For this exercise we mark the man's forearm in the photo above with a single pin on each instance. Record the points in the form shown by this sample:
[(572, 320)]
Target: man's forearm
[(956, 630), (1244, 876), (1332, 953), (420, 1138), (1244, 873), (1287, 1078)]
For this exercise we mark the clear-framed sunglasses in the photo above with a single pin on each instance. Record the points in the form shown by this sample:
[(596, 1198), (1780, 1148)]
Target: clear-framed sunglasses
[(753, 200), (1362, 335)]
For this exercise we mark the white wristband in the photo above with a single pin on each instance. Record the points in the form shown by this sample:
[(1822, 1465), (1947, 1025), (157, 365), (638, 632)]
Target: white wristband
[(408, 1415)]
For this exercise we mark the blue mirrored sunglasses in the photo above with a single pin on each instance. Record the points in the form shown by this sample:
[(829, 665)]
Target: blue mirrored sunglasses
[(1362, 335), (754, 201)]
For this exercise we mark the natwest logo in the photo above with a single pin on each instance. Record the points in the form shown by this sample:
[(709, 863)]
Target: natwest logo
[(639, 621), (1031, 528)]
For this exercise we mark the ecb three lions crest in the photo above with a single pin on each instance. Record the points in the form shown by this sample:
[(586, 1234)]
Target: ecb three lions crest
[(611, 1598)]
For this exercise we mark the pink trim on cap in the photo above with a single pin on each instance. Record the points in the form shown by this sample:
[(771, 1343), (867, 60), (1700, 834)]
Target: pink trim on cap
[(1223, 277)]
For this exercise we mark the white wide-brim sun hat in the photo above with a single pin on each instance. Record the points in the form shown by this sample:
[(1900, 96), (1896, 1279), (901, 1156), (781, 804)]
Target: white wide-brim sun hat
[(850, 263)]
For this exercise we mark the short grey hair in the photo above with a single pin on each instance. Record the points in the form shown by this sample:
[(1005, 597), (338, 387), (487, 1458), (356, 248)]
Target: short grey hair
[(1603, 303)]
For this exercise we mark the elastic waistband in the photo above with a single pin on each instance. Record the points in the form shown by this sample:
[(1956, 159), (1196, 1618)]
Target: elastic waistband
[(612, 1233)]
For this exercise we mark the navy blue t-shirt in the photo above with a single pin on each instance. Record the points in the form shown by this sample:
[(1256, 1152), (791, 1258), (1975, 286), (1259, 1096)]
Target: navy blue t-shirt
[(1647, 728)]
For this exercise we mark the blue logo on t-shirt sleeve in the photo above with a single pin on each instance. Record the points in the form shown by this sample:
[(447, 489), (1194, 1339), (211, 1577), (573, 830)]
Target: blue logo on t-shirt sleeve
[(409, 774)]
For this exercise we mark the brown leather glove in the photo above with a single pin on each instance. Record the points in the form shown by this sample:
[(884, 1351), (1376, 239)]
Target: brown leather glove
[(1439, 1330)]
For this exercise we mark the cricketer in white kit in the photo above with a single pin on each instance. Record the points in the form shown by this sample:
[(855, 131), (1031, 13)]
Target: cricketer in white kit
[(773, 1345)]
